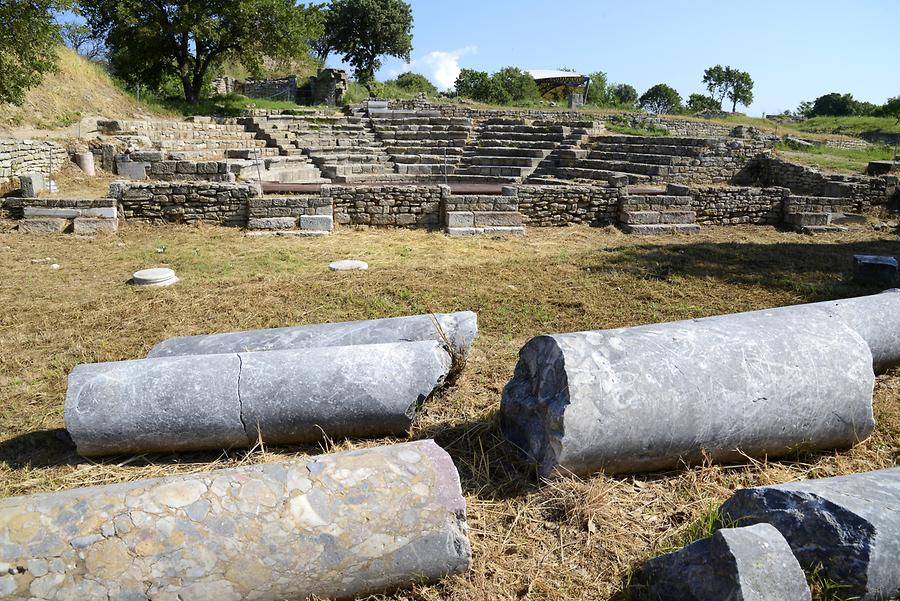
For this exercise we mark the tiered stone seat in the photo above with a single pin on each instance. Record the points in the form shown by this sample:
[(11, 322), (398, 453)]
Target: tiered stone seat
[(649, 213), (508, 150), (423, 147), (819, 214), (579, 134)]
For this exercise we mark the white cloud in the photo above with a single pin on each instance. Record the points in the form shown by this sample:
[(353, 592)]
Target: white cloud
[(440, 67)]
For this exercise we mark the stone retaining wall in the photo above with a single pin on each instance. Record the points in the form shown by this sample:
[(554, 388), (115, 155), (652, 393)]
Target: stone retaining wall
[(676, 127), (185, 202), (399, 206), (543, 206), (732, 205), (18, 157)]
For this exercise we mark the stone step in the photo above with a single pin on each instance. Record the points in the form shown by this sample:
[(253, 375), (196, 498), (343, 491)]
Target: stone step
[(507, 143), (653, 217), (496, 170), (658, 229), (486, 231), (466, 178), (413, 121), (373, 178), (596, 174), (537, 130), (668, 140), (520, 137), (454, 143), (821, 229), (622, 167), (807, 218), (505, 161), (655, 199), (425, 168), (439, 158), (425, 135), (508, 151), (349, 158), (634, 157), (656, 149)]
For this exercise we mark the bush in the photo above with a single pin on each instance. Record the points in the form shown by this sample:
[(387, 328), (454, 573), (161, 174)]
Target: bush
[(504, 87), (414, 82), (698, 103), (660, 99), (623, 95)]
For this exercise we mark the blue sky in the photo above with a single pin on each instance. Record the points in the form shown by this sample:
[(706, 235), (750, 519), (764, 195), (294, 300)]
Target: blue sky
[(795, 50)]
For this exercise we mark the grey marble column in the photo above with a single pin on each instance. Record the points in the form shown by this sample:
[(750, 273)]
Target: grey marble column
[(650, 397), (458, 330), (338, 525), (196, 402)]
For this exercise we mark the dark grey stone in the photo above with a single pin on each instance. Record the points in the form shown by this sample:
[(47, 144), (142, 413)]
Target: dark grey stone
[(458, 328), (848, 524), (650, 397), (735, 564), (196, 402), (872, 270)]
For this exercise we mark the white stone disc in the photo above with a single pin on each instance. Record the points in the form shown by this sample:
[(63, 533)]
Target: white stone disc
[(156, 276), (348, 265)]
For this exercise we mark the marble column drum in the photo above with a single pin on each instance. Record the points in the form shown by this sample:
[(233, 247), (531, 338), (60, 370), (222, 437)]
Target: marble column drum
[(457, 330), (197, 402), (336, 526)]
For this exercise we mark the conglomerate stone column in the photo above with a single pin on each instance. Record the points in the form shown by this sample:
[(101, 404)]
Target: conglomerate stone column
[(338, 525)]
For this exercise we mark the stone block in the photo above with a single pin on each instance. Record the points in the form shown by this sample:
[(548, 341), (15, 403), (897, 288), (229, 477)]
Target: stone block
[(753, 563), (850, 525), (85, 162), (132, 170), (872, 270), (31, 184), (497, 218), (457, 328), (460, 219), (319, 223), (89, 226), (639, 217), (341, 525), (272, 223), (43, 225)]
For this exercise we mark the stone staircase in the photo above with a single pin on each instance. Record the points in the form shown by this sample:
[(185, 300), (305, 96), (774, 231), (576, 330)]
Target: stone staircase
[(423, 148), (655, 212), (473, 214), (820, 214), (579, 134)]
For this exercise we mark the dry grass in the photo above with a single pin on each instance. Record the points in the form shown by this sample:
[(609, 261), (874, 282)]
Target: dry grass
[(566, 539)]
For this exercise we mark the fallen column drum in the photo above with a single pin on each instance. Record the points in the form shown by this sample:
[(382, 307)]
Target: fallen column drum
[(197, 402), (336, 526), (650, 397), (457, 330)]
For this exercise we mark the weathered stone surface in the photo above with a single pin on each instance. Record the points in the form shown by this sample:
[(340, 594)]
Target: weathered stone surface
[(874, 270), (848, 524), (89, 226), (69, 212), (739, 564), (319, 223), (31, 184), (155, 276), (132, 170), (457, 329), (348, 265), (85, 162), (272, 223), (337, 526), (650, 397), (229, 400), (43, 225)]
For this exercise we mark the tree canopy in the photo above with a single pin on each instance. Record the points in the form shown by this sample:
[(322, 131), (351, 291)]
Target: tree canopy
[(28, 39), (503, 87), (623, 94), (661, 99), (698, 103), (415, 82), (891, 108), (365, 30), (149, 40), (728, 82)]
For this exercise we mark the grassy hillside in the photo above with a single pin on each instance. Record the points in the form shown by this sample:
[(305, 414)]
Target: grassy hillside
[(77, 90)]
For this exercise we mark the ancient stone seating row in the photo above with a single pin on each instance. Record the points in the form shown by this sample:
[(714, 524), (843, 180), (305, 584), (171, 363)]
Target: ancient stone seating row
[(193, 139), (424, 146)]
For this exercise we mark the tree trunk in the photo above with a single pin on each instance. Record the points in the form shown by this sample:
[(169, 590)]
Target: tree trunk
[(734, 106)]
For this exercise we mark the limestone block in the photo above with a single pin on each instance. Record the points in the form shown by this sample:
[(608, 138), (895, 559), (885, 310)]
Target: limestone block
[(460, 219), (650, 397), (89, 226), (85, 162), (336, 526), (848, 524), (497, 218), (271, 223), (753, 563), (31, 184), (458, 329), (132, 170), (198, 402), (70, 213), (43, 225), (320, 223)]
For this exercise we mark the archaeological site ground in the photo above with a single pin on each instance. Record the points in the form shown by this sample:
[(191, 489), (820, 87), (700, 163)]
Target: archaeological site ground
[(426, 348)]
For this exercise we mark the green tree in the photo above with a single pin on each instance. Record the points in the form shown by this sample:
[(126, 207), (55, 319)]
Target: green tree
[(517, 85), (698, 103), (365, 30), (151, 41), (716, 80), (891, 108), (623, 95), (415, 82), (661, 99), (28, 40), (598, 92), (833, 105), (474, 84), (728, 82), (78, 37)]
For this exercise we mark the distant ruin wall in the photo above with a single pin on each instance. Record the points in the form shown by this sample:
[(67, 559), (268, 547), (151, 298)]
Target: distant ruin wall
[(18, 157), (284, 89), (676, 127)]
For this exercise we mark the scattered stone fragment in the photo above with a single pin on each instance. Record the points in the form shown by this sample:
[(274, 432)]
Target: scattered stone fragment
[(458, 330), (54, 266), (338, 526), (348, 265), (651, 397), (739, 564), (872, 270), (156, 276), (195, 402), (85, 162), (850, 525)]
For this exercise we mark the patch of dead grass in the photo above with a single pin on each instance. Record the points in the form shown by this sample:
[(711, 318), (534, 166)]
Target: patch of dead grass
[(569, 538)]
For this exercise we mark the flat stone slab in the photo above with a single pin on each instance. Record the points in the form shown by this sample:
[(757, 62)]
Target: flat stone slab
[(873, 270), (458, 330), (89, 226), (195, 402), (321, 223), (43, 225), (155, 276), (69, 212), (848, 524), (348, 265), (342, 525), (272, 223), (652, 397), (753, 563)]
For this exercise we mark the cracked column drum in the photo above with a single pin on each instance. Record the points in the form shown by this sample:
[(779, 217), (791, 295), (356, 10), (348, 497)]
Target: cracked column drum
[(459, 329), (339, 525), (172, 404), (646, 398)]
